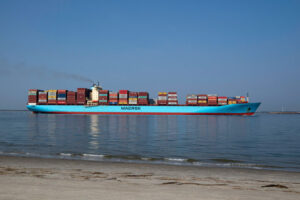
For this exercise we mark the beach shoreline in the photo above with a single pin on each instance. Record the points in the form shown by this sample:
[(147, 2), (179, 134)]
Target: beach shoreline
[(49, 178)]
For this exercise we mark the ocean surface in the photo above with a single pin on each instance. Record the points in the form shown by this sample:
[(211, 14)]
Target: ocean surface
[(263, 141)]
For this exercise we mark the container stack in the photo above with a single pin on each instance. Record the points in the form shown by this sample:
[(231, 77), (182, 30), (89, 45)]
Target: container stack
[(113, 98), (202, 99), (212, 100), (243, 99), (123, 97), (143, 98), (133, 98), (191, 100), (240, 99), (43, 96), (172, 98), (71, 98), (81, 96), (32, 96), (103, 97), (162, 98), (222, 101), (52, 95), (62, 97), (231, 100)]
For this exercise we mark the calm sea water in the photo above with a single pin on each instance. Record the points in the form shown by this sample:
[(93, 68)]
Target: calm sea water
[(260, 141)]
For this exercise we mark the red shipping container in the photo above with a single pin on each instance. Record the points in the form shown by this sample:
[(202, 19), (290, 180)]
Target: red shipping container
[(123, 91), (133, 94), (81, 90), (62, 102), (52, 102), (162, 102), (143, 93), (61, 91), (103, 91)]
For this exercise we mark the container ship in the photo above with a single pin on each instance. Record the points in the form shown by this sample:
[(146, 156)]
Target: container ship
[(96, 100)]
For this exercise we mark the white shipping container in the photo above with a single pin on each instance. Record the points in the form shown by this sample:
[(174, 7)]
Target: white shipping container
[(123, 96), (212, 95), (162, 98), (172, 103), (172, 95), (32, 104)]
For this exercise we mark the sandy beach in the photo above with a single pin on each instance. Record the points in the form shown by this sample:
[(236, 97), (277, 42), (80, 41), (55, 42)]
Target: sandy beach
[(38, 178)]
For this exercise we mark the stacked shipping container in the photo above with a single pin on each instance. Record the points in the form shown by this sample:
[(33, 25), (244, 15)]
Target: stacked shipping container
[(162, 98), (61, 96), (143, 98), (191, 100), (241, 99), (202, 99), (103, 97), (113, 98), (222, 101), (133, 98), (43, 96), (212, 99), (123, 97), (32, 96), (232, 100), (52, 96), (172, 98), (81, 96), (71, 98)]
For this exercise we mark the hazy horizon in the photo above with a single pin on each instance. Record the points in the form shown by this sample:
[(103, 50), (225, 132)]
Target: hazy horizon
[(212, 47)]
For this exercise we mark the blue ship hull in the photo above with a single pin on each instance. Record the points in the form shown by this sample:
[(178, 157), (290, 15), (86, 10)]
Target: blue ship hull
[(233, 109)]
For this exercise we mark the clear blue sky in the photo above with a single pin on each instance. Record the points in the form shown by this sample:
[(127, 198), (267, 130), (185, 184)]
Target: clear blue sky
[(223, 47)]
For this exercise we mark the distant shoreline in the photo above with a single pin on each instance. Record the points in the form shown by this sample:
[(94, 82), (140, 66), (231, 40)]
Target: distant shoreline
[(279, 112), (12, 110)]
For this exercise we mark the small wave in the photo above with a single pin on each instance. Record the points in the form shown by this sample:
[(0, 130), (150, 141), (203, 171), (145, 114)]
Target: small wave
[(138, 159), (32, 154), (176, 159), (65, 154), (93, 155)]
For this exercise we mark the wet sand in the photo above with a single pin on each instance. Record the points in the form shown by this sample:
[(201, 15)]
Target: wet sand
[(38, 178)]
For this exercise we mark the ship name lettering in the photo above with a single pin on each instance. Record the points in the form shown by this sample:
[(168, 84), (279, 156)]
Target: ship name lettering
[(130, 108)]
